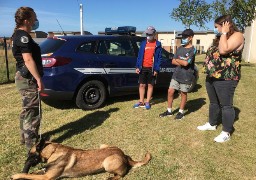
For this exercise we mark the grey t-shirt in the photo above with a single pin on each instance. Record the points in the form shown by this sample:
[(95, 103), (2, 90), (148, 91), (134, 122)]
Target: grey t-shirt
[(184, 53), (184, 74)]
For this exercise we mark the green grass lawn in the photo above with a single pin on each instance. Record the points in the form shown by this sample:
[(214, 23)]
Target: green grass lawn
[(179, 150)]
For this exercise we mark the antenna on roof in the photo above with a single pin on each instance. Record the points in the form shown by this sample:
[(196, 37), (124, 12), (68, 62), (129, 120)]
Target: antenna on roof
[(81, 20), (61, 28)]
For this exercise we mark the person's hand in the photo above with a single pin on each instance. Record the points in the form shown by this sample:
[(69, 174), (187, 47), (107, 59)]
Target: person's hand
[(40, 85), (225, 27), (155, 73), (137, 71)]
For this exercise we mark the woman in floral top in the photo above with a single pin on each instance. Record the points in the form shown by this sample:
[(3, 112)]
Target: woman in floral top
[(222, 65)]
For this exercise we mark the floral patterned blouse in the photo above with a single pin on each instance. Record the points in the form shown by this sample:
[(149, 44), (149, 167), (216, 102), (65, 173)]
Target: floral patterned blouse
[(225, 67)]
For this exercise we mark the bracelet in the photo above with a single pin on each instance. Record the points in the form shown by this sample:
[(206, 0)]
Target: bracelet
[(224, 33)]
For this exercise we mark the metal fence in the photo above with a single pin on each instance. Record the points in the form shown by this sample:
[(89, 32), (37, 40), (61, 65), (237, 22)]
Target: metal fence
[(6, 72)]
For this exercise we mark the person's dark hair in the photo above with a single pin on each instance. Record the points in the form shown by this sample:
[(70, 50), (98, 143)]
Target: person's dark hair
[(232, 28), (22, 13)]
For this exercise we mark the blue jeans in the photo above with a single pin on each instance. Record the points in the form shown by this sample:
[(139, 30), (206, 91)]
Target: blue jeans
[(221, 93)]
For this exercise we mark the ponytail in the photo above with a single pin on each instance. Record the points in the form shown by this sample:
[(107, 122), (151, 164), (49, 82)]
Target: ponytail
[(15, 29), (22, 14)]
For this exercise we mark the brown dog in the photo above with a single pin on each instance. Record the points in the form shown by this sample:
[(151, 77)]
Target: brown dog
[(64, 161)]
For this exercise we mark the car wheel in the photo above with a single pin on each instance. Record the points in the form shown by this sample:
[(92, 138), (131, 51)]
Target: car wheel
[(91, 95)]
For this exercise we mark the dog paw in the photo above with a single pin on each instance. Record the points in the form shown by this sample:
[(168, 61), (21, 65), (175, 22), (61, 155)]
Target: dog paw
[(14, 177), (17, 176), (103, 146)]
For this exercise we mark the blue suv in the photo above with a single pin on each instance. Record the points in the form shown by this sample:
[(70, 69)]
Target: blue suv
[(90, 68)]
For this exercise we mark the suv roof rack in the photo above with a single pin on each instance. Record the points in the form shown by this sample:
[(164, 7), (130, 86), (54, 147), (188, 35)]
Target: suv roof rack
[(123, 30)]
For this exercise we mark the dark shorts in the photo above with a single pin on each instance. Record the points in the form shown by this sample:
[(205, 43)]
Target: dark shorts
[(146, 76)]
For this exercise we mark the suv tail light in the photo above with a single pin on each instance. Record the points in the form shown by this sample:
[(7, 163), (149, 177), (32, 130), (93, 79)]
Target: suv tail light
[(55, 61)]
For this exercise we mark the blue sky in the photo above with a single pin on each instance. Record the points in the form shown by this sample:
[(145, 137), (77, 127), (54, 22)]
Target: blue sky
[(98, 14)]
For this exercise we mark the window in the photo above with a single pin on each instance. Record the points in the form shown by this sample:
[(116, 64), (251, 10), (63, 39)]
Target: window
[(116, 48), (102, 48), (51, 45), (172, 42), (87, 47), (198, 41)]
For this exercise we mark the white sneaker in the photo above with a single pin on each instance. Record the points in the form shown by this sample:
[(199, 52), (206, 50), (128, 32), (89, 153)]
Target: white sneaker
[(223, 137), (207, 127)]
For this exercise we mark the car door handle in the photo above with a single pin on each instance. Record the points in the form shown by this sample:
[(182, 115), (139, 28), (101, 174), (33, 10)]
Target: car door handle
[(111, 65)]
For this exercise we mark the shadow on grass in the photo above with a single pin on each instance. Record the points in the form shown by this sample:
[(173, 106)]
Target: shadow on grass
[(7, 82), (194, 105), (196, 88), (159, 95), (61, 104), (237, 112), (87, 122)]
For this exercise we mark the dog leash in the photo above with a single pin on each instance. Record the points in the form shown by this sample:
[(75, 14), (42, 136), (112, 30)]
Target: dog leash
[(40, 114)]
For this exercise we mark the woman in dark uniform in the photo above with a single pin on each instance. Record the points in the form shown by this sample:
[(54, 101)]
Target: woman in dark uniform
[(29, 71)]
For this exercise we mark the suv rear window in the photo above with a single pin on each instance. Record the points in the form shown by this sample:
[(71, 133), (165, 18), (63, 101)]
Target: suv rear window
[(51, 45)]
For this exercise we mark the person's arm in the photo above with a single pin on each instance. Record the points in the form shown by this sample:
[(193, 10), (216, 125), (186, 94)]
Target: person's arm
[(159, 59), (176, 58), (31, 65), (140, 57), (182, 62), (176, 62), (231, 44), (187, 61)]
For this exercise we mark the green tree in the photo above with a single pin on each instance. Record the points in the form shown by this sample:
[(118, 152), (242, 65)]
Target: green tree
[(243, 12), (192, 12), (198, 12)]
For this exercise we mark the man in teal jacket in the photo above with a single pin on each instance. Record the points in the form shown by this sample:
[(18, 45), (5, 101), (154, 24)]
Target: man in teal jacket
[(148, 66)]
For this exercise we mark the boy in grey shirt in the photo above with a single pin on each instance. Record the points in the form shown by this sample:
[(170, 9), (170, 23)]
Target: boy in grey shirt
[(182, 77)]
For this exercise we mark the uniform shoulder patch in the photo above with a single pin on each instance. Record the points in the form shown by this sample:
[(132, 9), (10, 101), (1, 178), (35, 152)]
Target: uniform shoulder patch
[(24, 39)]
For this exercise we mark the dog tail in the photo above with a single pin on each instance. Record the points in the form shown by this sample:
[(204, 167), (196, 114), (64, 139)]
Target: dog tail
[(136, 164)]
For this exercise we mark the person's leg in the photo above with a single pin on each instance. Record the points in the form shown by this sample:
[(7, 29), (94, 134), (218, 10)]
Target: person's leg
[(170, 97), (142, 88), (214, 106), (225, 91), (150, 79), (174, 85), (149, 92), (142, 85), (183, 100), (29, 117)]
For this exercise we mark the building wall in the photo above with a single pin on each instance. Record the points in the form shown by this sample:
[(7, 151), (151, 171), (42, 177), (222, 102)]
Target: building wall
[(202, 40), (249, 53), (205, 40), (168, 41)]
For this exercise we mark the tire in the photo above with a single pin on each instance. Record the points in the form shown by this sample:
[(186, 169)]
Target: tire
[(91, 95)]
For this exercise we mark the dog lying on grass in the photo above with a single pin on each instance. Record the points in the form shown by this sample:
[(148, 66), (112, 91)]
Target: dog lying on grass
[(64, 161)]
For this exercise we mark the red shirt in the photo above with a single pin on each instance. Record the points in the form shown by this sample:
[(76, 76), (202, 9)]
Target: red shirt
[(149, 54)]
